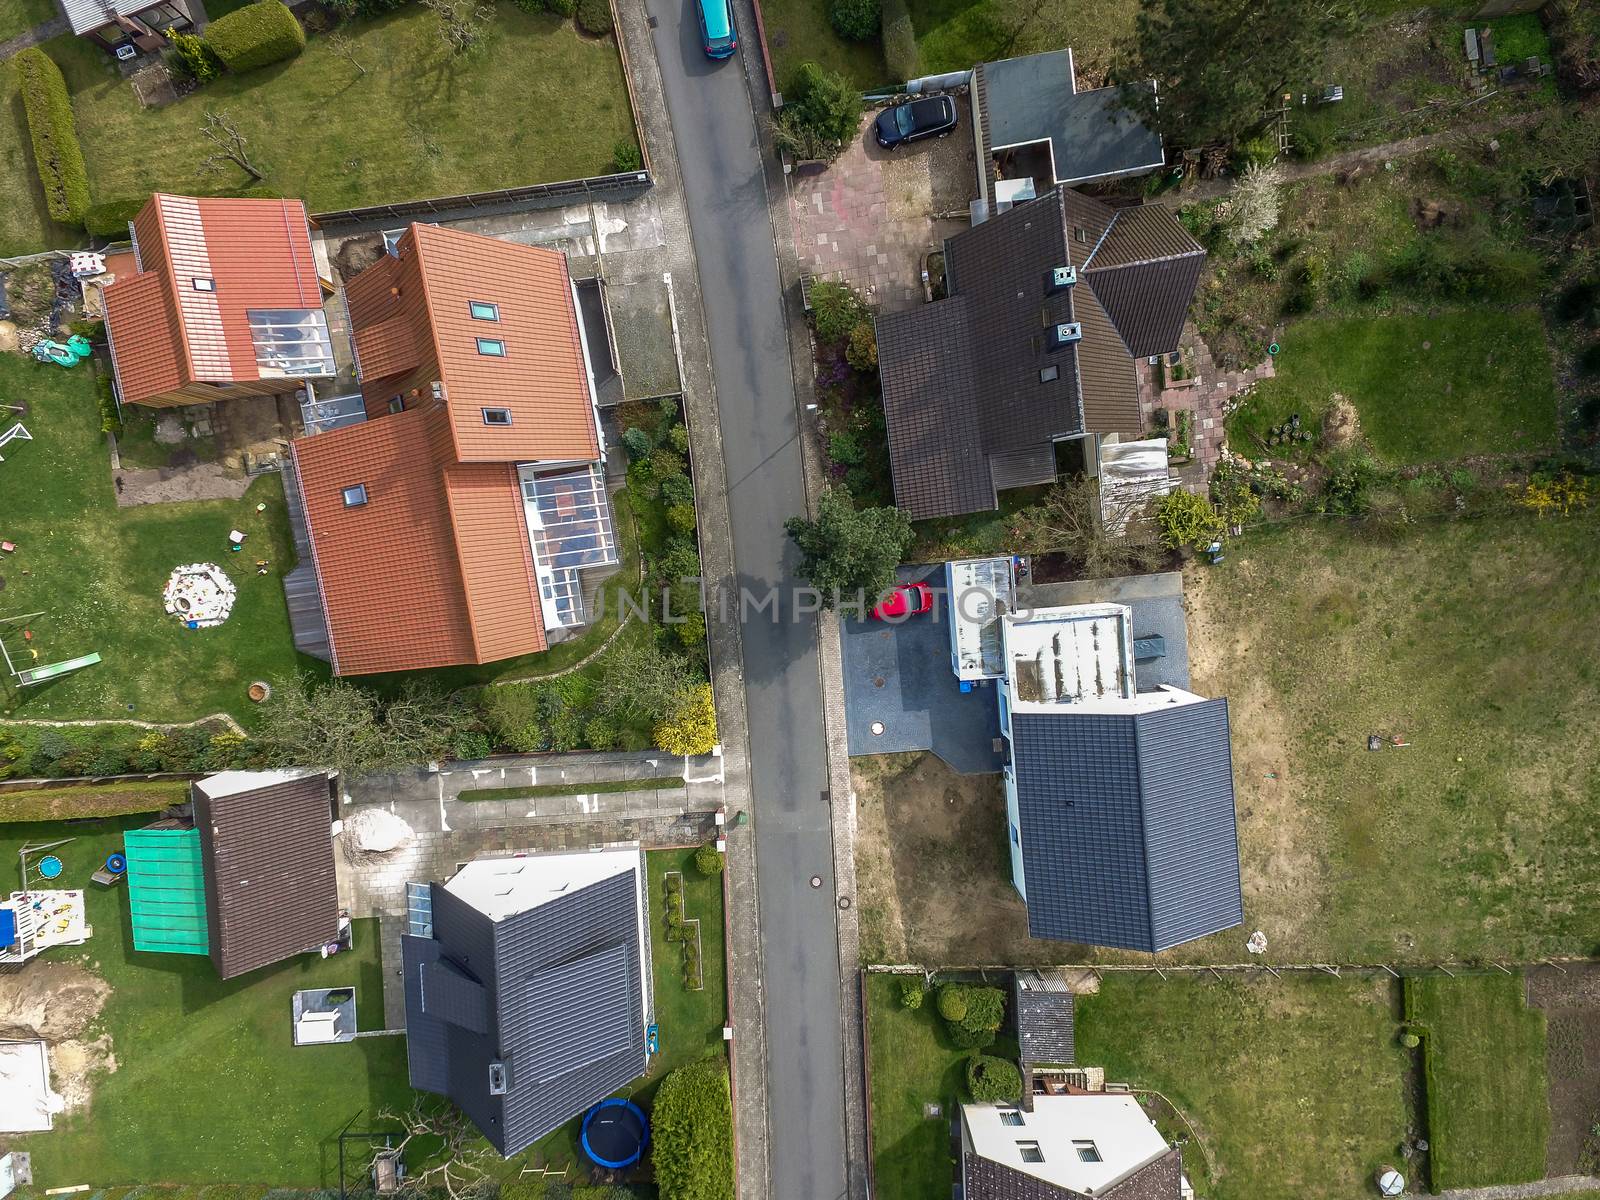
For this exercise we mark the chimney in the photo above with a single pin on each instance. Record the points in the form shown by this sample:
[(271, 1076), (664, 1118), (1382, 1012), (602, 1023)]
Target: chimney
[(1065, 334)]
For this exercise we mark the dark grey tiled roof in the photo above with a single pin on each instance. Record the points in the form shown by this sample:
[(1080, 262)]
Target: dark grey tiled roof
[(267, 858), (1149, 301), (1044, 1023), (986, 1180), (1129, 836), (562, 1007)]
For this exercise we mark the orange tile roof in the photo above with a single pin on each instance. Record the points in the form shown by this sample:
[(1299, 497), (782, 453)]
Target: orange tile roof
[(258, 252), (435, 569), (424, 293)]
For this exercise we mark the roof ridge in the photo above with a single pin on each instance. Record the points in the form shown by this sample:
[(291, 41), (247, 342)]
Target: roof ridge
[(1137, 719), (438, 353)]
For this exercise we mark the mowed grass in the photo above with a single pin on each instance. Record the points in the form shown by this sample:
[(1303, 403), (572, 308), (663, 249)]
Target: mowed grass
[(953, 35), (1465, 639), (97, 572), (798, 31), (1428, 388), (207, 1086), (913, 1063), (1488, 1120), (419, 123), (19, 16), (1295, 1086)]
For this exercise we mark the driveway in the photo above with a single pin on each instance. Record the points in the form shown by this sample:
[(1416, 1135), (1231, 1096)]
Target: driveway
[(868, 219), (900, 694), (715, 133)]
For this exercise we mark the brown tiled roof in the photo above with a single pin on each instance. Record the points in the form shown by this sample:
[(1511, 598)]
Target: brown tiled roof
[(164, 333), (491, 539), (422, 295), (1144, 271), (267, 855), (1105, 371), (983, 1179)]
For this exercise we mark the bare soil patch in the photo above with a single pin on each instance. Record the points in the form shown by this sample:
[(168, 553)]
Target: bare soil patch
[(59, 1002), (1571, 1003)]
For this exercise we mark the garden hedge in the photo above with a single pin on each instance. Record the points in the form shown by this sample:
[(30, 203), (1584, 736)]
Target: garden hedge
[(900, 42), (111, 218), (56, 151), (256, 35), (693, 1133), (594, 17)]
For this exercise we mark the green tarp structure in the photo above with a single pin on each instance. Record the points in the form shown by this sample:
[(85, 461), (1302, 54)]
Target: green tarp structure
[(167, 890)]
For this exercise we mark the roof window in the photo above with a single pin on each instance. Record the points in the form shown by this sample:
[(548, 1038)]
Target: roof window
[(397, 404), (203, 283), (1030, 1152), (496, 416), (492, 347), (1010, 1117), (482, 310), (355, 495), (1087, 1151), (1049, 374)]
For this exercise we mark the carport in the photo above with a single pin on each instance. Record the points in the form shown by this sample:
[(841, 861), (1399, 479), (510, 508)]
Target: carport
[(901, 695)]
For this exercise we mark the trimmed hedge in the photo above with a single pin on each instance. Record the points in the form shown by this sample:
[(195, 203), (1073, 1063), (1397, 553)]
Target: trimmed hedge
[(256, 35), (111, 218), (56, 151), (692, 1127), (594, 17), (900, 42), (993, 1080)]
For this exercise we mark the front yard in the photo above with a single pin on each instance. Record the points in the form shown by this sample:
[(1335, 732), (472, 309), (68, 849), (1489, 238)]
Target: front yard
[(96, 572), (410, 122)]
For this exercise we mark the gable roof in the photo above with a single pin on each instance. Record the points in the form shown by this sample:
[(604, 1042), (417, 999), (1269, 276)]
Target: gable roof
[(968, 386), (412, 323), (553, 992), (1135, 1162), (435, 569), (267, 844), (1043, 1009), (166, 334), (1144, 795)]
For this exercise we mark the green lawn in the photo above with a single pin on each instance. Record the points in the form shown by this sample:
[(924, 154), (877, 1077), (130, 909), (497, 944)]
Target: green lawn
[(952, 35), (798, 31), (1296, 1087), (1481, 838), (207, 1087), (97, 571), (418, 123), (913, 1063), (1428, 387), (19, 16), (1488, 1120)]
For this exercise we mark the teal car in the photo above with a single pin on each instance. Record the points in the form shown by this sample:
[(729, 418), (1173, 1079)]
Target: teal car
[(717, 37)]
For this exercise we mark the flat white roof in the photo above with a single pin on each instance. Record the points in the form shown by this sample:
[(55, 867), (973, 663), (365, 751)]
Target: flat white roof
[(504, 887), (1082, 1143), (231, 783), (979, 591), (27, 1104), (1070, 655)]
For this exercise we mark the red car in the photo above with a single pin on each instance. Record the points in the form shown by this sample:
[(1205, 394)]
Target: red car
[(907, 600)]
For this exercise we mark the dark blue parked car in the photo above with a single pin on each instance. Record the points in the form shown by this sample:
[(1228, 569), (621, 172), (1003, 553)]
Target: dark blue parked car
[(717, 37), (933, 116)]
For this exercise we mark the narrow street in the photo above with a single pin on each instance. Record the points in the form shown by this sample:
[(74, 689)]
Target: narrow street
[(715, 133)]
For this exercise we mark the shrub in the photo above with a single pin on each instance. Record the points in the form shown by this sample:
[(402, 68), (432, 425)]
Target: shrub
[(861, 351), (594, 17), (1185, 519), (681, 518), (820, 114), (952, 1002), (1410, 1040), (986, 1008), (363, 8), (845, 448), (1259, 151), (680, 560), (636, 442), (562, 8), (900, 41), (626, 155), (993, 1080), (473, 745), (678, 438), (708, 860), (690, 726), (1579, 300), (836, 310), (970, 1039), (56, 151), (666, 462), (677, 490), (256, 35), (110, 419), (191, 58), (693, 1131), (1589, 360), (911, 993), (691, 631), (855, 20)]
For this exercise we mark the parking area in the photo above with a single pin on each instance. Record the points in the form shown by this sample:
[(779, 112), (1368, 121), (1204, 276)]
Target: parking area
[(901, 695), (872, 216)]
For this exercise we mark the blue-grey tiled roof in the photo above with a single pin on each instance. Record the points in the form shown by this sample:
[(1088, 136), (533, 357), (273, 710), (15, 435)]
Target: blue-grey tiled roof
[(1129, 837)]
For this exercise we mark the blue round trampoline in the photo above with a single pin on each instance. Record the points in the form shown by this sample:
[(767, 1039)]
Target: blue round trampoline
[(615, 1133), (50, 866)]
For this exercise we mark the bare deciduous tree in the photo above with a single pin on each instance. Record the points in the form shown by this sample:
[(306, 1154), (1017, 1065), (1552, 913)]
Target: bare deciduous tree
[(222, 133), (458, 1160), (461, 22), (1069, 521), (345, 49)]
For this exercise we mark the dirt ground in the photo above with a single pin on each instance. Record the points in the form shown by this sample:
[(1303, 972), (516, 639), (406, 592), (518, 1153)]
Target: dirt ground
[(1570, 999), (59, 1003)]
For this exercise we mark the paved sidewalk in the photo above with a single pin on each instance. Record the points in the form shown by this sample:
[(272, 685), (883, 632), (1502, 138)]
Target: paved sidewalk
[(42, 32), (1557, 1186)]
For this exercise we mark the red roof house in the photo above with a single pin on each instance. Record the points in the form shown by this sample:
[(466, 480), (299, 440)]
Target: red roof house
[(452, 525), (225, 302)]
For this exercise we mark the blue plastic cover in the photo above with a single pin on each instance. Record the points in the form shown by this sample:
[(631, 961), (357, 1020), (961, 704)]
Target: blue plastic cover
[(8, 927)]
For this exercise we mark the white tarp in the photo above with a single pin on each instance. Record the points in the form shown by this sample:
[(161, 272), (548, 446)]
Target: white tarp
[(1131, 475), (200, 595), (27, 1105), (376, 830)]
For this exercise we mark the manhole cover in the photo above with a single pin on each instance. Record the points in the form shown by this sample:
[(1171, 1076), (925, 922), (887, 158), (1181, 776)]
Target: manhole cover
[(879, 681), (816, 881), (844, 901), (877, 728)]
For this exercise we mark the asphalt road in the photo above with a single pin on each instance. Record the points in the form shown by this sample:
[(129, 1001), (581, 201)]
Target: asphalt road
[(715, 134)]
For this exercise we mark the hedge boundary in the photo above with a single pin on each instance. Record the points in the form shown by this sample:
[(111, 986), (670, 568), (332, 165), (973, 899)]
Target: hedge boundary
[(56, 151), (72, 803), (256, 35), (900, 52)]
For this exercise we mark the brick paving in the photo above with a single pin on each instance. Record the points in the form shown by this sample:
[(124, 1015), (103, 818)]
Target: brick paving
[(868, 218), (1559, 1185), (1208, 394)]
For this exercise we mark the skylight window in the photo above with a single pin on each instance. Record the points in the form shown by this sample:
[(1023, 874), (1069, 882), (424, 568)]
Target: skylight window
[(497, 416), (493, 347), (1010, 1117), (1049, 374), (397, 404), (203, 284), (1030, 1152), (355, 495), (1087, 1151), (482, 310)]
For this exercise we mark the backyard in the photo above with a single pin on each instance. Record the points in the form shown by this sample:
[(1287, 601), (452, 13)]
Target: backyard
[(96, 572), (19, 16), (1481, 1043), (409, 121)]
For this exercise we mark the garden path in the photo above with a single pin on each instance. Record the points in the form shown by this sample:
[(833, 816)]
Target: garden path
[(41, 32)]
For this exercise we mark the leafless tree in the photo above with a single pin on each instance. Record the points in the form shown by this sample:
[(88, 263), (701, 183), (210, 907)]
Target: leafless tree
[(461, 22), (345, 49), (222, 133), (1069, 521), (459, 1159)]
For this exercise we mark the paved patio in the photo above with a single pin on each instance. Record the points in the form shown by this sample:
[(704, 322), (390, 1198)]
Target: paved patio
[(1209, 394), (869, 218)]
